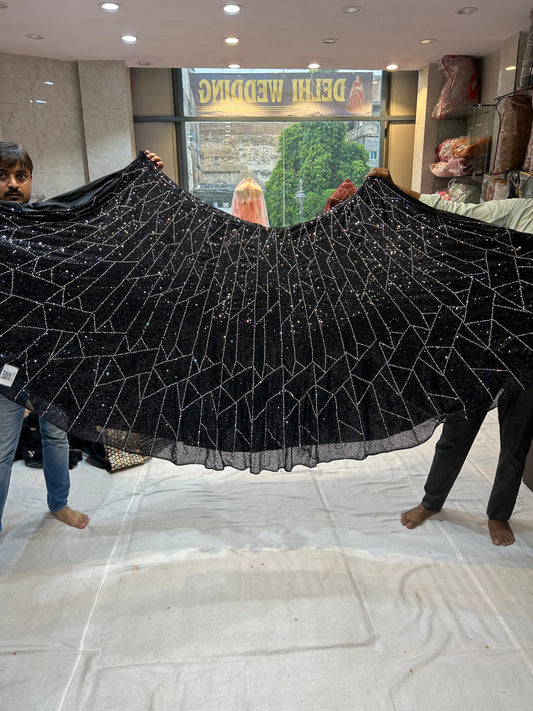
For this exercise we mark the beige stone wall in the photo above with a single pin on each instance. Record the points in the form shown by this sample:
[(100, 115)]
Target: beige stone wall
[(400, 136), (74, 118), (107, 116)]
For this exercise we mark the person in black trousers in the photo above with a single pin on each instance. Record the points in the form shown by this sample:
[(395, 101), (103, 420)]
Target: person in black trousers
[(516, 431), (515, 416)]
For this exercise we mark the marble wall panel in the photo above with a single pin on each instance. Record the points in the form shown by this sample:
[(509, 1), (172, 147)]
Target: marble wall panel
[(46, 118), (401, 140), (14, 79), (47, 185), (74, 118), (109, 140), (18, 126), (55, 82), (107, 116), (104, 85), (60, 138), (488, 68)]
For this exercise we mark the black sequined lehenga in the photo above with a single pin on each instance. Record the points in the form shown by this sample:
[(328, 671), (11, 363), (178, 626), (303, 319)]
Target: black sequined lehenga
[(141, 317)]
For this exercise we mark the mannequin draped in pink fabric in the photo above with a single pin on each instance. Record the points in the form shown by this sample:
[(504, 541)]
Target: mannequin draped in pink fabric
[(249, 202)]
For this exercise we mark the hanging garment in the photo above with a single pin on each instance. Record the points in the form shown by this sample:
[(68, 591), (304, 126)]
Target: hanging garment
[(356, 100), (138, 316), (345, 189), (461, 85), (248, 202)]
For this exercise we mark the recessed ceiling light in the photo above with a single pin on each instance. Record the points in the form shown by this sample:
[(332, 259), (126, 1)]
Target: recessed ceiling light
[(50, 83), (3, 5), (109, 6), (430, 40), (391, 67), (232, 9), (234, 66), (129, 39), (313, 65), (231, 40), (330, 40), (466, 10), (144, 63), (351, 9), (510, 69), (34, 36)]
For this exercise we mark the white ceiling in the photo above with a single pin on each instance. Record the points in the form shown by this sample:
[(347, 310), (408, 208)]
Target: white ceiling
[(273, 33)]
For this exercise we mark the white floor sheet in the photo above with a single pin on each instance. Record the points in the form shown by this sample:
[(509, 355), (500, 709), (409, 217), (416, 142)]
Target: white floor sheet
[(223, 591)]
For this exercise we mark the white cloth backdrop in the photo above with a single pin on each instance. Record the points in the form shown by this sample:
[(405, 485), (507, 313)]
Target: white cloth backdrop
[(222, 591)]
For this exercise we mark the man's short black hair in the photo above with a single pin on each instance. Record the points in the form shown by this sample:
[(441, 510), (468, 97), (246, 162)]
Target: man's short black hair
[(13, 153)]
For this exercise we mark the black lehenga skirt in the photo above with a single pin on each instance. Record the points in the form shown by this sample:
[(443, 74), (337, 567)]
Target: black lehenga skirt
[(134, 314)]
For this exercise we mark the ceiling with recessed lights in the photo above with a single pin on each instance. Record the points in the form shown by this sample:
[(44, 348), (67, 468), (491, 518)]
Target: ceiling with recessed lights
[(270, 33)]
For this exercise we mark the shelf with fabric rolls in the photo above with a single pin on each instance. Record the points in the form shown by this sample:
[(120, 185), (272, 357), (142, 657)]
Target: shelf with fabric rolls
[(511, 169)]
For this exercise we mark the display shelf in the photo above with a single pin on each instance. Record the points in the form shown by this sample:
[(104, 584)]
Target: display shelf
[(475, 121)]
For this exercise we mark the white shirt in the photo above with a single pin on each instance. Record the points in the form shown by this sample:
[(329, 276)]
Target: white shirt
[(515, 213)]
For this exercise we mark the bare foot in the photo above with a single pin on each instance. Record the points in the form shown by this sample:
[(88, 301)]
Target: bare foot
[(501, 533), (71, 517), (414, 517)]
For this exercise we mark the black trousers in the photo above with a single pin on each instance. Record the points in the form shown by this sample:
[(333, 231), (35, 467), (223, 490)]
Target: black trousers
[(516, 431)]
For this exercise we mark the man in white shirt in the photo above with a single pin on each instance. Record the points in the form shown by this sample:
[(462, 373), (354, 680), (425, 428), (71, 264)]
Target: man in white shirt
[(515, 213)]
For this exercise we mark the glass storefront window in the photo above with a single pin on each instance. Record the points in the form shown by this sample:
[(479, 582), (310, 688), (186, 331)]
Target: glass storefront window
[(298, 163), (297, 134)]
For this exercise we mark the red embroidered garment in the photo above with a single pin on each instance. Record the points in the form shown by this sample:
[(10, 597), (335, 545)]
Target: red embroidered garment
[(345, 189)]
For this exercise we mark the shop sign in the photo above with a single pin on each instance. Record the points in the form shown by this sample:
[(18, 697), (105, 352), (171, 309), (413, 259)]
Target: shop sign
[(282, 94)]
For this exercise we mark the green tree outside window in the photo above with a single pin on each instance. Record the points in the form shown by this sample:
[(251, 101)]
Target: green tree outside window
[(318, 154)]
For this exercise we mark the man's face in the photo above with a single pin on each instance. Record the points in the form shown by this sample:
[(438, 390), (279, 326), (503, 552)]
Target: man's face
[(15, 183)]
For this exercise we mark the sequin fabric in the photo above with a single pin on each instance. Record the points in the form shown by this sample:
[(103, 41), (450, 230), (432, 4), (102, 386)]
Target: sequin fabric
[(139, 316)]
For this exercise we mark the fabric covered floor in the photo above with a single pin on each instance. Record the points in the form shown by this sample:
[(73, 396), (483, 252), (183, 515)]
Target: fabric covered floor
[(225, 591)]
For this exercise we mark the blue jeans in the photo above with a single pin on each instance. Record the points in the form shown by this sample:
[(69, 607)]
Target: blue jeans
[(55, 455)]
